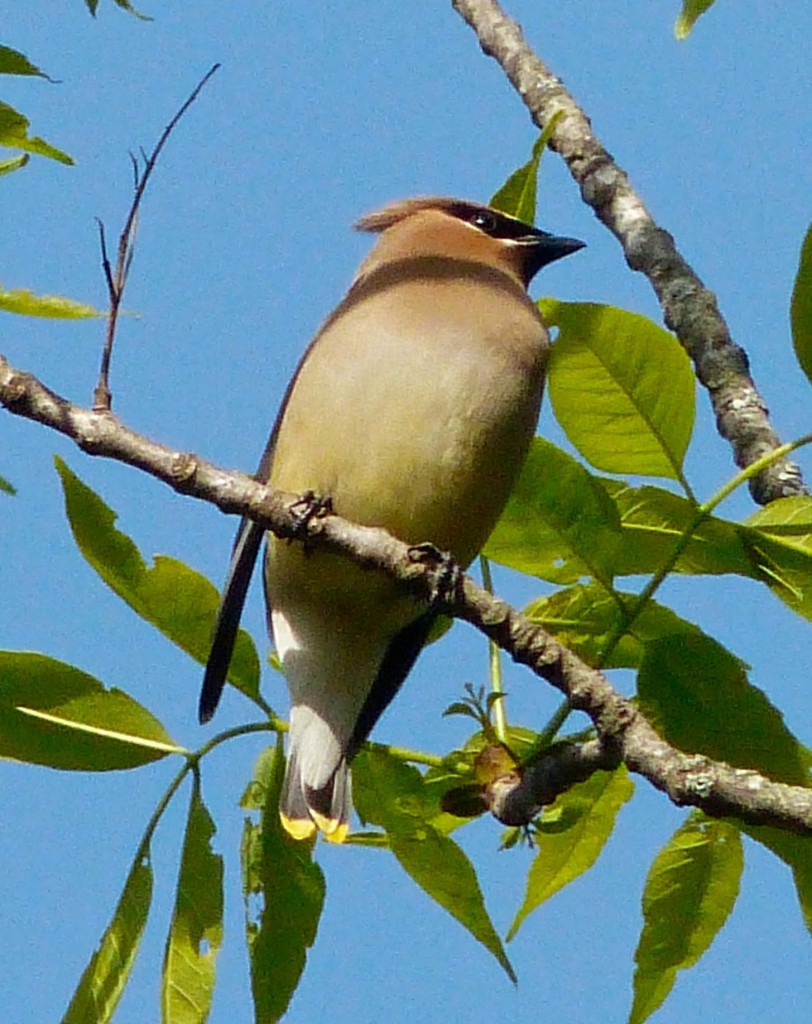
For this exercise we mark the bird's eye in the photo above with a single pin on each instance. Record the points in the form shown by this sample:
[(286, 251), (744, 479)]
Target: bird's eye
[(485, 221)]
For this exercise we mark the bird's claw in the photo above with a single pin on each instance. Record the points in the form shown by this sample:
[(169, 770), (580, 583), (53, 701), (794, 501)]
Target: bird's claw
[(305, 509), (444, 572)]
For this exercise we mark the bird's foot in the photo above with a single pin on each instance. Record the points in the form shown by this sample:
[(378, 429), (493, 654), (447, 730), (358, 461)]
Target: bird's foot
[(444, 573), (305, 509)]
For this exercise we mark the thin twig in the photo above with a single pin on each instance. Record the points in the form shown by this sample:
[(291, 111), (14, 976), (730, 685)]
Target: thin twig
[(495, 663), (117, 280)]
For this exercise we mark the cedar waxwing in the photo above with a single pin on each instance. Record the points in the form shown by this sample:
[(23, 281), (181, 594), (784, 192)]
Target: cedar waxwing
[(412, 410)]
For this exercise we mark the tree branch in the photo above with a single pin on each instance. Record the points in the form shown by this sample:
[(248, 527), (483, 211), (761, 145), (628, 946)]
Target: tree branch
[(689, 309), (624, 734), (517, 797)]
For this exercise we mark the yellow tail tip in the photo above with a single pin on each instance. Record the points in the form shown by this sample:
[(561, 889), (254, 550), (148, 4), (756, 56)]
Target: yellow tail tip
[(334, 831), (298, 828)]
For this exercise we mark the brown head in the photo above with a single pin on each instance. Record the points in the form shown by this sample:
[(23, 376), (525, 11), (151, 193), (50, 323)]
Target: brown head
[(458, 229)]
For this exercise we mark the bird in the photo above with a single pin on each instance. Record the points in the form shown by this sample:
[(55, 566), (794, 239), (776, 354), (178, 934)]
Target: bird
[(412, 409)]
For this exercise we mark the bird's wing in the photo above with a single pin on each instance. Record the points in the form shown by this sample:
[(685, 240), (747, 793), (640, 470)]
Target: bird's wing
[(396, 665), (240, 570), (246, 549)]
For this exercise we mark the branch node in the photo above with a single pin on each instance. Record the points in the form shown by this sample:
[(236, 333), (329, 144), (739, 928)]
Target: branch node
[(184, 471), (443, 575)]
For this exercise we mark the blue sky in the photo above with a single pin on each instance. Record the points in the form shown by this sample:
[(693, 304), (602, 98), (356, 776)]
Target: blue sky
[(320, 113)]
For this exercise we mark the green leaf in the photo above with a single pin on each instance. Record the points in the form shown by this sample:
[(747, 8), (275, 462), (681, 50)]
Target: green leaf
[(652, 522), (12, 62), (384, 784), (14, 133), (54, 307), (788, 520), (14, 164), (691, 10), (517, 197), (584, 617), (573, 832), (178, 601), (521, 741), (696, 694), (796, 852), (196, 932), (281, 878), (56, 715), (441, 869), (801, 308), (779, 542), (6, 487), (559, 523), (458, 707), (392, 794), (690, 891), (105, 977), (125, 5), (621, 387)]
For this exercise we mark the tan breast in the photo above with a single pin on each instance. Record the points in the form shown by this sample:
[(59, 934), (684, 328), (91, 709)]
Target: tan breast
[(416, 404)]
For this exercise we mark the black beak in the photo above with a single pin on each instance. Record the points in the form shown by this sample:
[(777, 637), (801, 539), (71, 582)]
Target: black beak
[(541, 248)]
